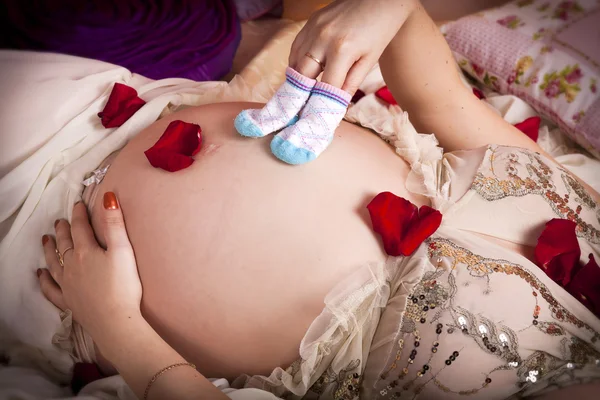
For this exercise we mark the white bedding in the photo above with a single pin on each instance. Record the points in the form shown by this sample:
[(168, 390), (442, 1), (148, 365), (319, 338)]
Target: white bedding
[(51, 137)]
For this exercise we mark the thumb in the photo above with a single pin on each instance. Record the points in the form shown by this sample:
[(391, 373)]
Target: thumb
[(115, 233)]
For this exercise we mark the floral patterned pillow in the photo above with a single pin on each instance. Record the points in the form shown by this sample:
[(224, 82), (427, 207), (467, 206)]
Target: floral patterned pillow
[(545, 51)]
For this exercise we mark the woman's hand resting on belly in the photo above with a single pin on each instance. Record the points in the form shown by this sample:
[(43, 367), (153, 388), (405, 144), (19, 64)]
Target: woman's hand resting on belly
[(103, 291), (97, 285)]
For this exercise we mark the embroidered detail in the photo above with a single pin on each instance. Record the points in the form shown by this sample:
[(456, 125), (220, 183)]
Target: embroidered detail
[(581, 352), (96, 176), (346, 384), (481, 267), (528, 174), (422, 351), (579, 190)]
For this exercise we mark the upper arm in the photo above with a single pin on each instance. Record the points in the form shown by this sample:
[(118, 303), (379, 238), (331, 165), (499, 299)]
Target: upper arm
[(421, 72)]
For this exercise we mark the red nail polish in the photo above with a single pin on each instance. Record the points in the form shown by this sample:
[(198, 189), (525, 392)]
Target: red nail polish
[(45, 239), (110, 201), (38, 272)]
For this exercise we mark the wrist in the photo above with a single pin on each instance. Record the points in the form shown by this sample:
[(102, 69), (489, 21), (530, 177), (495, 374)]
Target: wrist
[(116, 334)]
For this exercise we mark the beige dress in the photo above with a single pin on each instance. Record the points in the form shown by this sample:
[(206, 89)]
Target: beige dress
[(462, 316)]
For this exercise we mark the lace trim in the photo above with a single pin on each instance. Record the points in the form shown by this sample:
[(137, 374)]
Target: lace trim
[(430, 172)]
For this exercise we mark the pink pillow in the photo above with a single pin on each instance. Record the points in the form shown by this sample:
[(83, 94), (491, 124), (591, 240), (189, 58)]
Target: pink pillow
[(546, 52)]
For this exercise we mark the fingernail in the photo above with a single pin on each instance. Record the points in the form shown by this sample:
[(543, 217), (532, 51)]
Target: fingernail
[(56, 222), (38, 272), (45, 239), (77, 202), (110, 201)]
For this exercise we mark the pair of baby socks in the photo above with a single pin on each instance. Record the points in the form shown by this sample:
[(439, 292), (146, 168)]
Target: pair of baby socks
[(308, 112)]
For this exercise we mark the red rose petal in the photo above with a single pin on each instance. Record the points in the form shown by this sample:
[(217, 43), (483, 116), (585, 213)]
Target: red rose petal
[(175, 148), (530, 127), (428, 221), (478, 93), (401, 225), (357, 96), (585, 286), (122, 103), (385, 95), (83, 374), (390, 216), (557, 251)]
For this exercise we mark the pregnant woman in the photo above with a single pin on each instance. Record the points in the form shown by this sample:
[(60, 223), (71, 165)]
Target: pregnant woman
[(271, 275)]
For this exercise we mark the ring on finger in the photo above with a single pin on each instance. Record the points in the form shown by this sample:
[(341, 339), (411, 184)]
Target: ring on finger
[(61, 256), (315, 59)]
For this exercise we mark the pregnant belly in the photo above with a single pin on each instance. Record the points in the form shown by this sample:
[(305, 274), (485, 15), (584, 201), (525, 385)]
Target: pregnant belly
[(237, 252)]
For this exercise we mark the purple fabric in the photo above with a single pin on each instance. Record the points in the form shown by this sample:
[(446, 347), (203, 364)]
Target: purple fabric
[(194, 39)]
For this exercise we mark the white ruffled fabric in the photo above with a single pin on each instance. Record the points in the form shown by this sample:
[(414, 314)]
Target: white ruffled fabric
[(428, 175)]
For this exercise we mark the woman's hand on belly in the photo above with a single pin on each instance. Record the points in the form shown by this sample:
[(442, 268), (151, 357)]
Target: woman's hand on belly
[(103, 291), (97, 285)]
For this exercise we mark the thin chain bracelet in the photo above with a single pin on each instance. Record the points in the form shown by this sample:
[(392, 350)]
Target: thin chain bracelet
[(162, 371)]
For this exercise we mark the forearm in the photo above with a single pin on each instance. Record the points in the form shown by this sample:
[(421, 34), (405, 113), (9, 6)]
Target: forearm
[(420, 71), (138, 352)]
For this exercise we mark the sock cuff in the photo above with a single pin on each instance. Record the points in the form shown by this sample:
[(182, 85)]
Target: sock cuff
[(300, 81), (337, 94)]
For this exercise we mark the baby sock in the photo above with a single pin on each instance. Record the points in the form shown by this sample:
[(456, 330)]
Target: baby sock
[(309, 137), (280, 111)]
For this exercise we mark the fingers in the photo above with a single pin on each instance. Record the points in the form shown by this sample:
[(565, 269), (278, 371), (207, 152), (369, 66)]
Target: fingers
[(51, 257), (300, 61), (309, 67), (336, 69), (306, 65), (64, 242), (114, 226), (81, 230), (295, 49), (50, 289), (357, 75)]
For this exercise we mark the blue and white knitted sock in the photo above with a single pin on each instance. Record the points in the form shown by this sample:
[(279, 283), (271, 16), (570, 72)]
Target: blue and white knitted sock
[(279, 112), (309, 137)]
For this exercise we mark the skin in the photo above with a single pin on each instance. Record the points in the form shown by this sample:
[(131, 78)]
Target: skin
[(231, 247), (228, 282)]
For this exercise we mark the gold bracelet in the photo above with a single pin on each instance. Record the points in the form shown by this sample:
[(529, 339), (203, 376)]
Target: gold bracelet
[(162, 371)]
